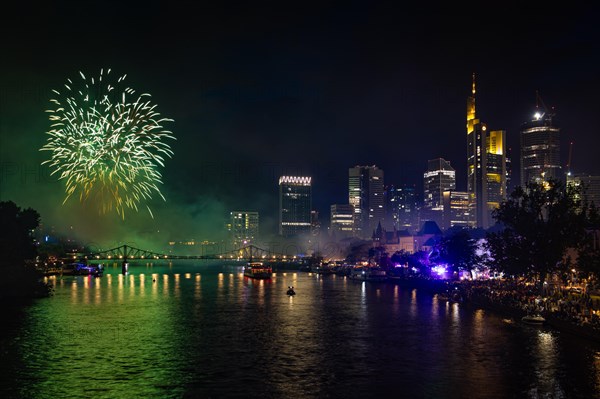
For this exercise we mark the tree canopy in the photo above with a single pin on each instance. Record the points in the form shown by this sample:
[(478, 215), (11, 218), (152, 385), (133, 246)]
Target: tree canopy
[(16, 241), (539, 223), (458, 250)]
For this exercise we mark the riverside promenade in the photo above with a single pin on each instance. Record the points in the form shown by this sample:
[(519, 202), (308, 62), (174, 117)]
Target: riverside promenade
[(570, 312)]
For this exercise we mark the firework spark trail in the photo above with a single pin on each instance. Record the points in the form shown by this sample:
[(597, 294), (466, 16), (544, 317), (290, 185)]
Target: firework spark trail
[(105, 147)]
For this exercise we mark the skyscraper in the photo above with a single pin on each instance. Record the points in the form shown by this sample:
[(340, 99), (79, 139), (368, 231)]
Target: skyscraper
[(244, 227), (486, 165), (540, 148), (457, 210), (402, 207), (365, 192), (295, 201), (495, 169), (342, 220), (439, 177)]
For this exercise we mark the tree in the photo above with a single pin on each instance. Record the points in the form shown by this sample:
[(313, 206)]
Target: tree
[(540, 223), (17, 246), (400, 258), (16, 241), (359, 250), (588, 250), (458, 250)]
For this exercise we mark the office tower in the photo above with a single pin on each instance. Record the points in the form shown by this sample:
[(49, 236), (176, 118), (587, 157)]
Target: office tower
[(342, 220), (243, 227), (439, 177), (315, 223), (540, 148), (295, 203), (365, 192), (457, 210), (495, 170), (486, 165), (402, 207)]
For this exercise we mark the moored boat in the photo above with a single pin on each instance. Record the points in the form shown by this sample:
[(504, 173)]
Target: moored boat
[(324, 268), (373, 274), (533, 319), (258, 270), (77, 269)]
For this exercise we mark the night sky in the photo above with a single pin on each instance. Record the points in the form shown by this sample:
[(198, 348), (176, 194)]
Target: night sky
[(261, 91)]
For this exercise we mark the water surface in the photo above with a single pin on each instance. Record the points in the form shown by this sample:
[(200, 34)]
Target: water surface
[(201, 329)]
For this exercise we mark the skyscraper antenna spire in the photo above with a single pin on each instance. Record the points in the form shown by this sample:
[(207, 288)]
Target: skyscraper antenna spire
[(473, 84)]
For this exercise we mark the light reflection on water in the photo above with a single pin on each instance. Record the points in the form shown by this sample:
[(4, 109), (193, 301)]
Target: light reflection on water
[(176, 330)]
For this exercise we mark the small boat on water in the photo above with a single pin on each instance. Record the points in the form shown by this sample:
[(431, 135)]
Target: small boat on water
[(536, 319), (258, 270), (368, 274), (452, 297)]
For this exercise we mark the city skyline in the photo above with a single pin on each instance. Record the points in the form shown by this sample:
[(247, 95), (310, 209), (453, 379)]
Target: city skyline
[(260, 93)]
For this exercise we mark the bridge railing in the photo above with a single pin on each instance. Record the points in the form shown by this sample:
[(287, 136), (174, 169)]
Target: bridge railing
[(251, 252)]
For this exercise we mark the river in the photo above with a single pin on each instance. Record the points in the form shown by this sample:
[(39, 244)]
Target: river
[(201, 329)]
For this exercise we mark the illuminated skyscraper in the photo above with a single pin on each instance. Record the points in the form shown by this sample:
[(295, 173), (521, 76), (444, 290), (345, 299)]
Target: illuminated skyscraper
[(439, 177), (295, 201), (244, 227), (495, 169), (457, 210), (540, 149), (342, 220), (402, 207), (365, 192), (486, 166)]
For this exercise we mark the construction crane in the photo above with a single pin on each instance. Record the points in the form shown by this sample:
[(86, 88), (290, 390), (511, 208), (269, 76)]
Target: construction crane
[(538, 100)]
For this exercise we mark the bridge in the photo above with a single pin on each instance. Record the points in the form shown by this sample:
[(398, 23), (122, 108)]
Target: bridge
[(126, 253)]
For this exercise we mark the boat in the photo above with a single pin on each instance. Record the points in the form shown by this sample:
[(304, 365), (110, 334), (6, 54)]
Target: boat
[(373, 274), (443, 296), (536, 319), (84, 269), (324, 268), (258, 270), (78, 269)]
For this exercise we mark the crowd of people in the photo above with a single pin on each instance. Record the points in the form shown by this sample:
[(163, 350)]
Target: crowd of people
[(579, 308)]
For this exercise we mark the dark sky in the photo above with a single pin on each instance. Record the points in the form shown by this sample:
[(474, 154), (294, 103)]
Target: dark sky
[(259, 91)]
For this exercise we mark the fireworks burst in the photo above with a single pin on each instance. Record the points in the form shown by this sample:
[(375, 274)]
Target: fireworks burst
[(106, 147)]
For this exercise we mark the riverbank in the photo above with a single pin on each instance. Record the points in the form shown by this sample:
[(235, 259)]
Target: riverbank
[(508, 301), (22, 284)]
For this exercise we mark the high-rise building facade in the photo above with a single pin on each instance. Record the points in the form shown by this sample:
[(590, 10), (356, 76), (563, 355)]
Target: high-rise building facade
[(540, 149), (509, 171), (439, 177), (366, 195), (244, 227), (495, 169), (457, 210), (295, 202), (342, 220), (402, 206), (486, 166)]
